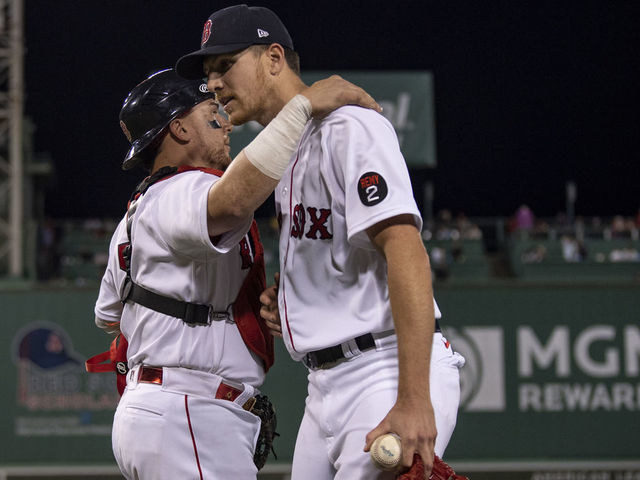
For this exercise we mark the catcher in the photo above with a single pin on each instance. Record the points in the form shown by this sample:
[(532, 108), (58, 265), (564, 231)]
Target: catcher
[(181, 288)]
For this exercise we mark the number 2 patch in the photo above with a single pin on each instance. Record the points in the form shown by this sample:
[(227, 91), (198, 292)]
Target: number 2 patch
[(372, 188)]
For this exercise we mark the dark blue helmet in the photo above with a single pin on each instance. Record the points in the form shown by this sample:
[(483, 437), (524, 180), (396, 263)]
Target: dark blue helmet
[(151, 106)]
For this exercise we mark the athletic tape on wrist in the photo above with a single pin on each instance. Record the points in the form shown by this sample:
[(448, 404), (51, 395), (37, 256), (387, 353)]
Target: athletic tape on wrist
[(270, 152)]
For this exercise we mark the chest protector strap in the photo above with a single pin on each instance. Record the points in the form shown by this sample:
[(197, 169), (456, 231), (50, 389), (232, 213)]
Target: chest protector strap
[(191, 313)]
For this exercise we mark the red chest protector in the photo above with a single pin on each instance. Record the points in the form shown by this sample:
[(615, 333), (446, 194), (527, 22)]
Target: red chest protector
[(246, 307)]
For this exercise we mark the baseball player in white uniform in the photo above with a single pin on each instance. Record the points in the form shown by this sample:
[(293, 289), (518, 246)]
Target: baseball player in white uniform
[(184, 275), (348, 177), (355, 294)]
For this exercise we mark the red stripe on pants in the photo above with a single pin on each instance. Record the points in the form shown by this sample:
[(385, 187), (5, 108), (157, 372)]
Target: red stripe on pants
[(193, 438)]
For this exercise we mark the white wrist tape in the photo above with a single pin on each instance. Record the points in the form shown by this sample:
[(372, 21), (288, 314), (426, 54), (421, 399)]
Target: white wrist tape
[(271, 151)]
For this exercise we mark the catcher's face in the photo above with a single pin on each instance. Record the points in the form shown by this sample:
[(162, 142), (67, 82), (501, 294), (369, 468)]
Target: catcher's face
[(210, 135), (240, 83)]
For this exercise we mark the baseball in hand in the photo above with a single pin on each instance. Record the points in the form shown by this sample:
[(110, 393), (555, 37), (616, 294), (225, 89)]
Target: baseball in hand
[(386, 451)]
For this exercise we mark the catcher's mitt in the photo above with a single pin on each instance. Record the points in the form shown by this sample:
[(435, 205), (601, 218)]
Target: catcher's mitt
[(264, 409), (440, 470)]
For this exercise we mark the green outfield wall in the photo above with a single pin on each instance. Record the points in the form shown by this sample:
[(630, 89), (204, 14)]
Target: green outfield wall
[(552, 373)]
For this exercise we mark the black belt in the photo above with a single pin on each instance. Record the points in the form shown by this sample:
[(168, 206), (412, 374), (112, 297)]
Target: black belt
[(191, 313), (330, 355)]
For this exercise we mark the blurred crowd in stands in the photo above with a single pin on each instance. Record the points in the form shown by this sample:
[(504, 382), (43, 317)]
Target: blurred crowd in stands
[(575, 234), (446, 227), (525, 224), (76, 251), (72, 250), (445, 238)]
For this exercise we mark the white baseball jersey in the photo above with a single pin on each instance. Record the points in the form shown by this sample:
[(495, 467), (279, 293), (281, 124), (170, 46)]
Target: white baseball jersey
[(347, 175), (174, 256)]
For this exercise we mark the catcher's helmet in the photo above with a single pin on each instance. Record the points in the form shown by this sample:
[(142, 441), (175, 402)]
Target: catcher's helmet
[(151, 106)]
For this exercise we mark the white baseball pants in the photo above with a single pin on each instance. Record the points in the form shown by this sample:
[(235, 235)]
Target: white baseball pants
[(347, 401), (178, 430)]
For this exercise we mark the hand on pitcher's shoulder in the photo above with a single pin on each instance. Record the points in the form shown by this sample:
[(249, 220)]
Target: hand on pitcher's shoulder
[(328, 94)]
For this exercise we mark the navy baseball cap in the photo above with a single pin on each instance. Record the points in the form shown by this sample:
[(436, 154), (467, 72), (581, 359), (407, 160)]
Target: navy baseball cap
[(234, 28)]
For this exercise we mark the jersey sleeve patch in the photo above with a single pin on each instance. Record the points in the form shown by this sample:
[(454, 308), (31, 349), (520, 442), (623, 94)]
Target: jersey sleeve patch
[(372, 188)]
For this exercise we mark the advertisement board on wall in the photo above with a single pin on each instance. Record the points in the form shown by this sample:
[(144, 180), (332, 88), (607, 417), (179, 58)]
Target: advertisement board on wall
[(552, 373)]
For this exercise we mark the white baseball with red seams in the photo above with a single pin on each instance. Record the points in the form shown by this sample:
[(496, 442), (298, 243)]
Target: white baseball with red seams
[(386, 451), (347, 175)]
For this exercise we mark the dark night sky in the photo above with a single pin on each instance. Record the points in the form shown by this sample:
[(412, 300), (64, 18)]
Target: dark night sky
[(528, 94)]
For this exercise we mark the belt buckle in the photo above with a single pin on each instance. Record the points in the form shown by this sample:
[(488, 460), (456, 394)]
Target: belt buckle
[(249, 404), (308, 362), (315, 365), (331, 364), (152, 375)]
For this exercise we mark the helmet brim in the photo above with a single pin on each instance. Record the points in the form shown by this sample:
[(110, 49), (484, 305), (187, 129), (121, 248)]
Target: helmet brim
[(134, 155)]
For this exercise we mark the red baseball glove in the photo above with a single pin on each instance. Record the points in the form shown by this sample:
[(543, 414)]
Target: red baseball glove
[(440, 470)]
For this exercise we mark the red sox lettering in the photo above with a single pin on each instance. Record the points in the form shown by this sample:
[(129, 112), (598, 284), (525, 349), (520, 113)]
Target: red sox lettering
[(318, 218)]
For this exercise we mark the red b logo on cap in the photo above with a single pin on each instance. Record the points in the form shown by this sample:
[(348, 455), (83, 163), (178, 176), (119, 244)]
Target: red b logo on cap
[(206, 32)]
